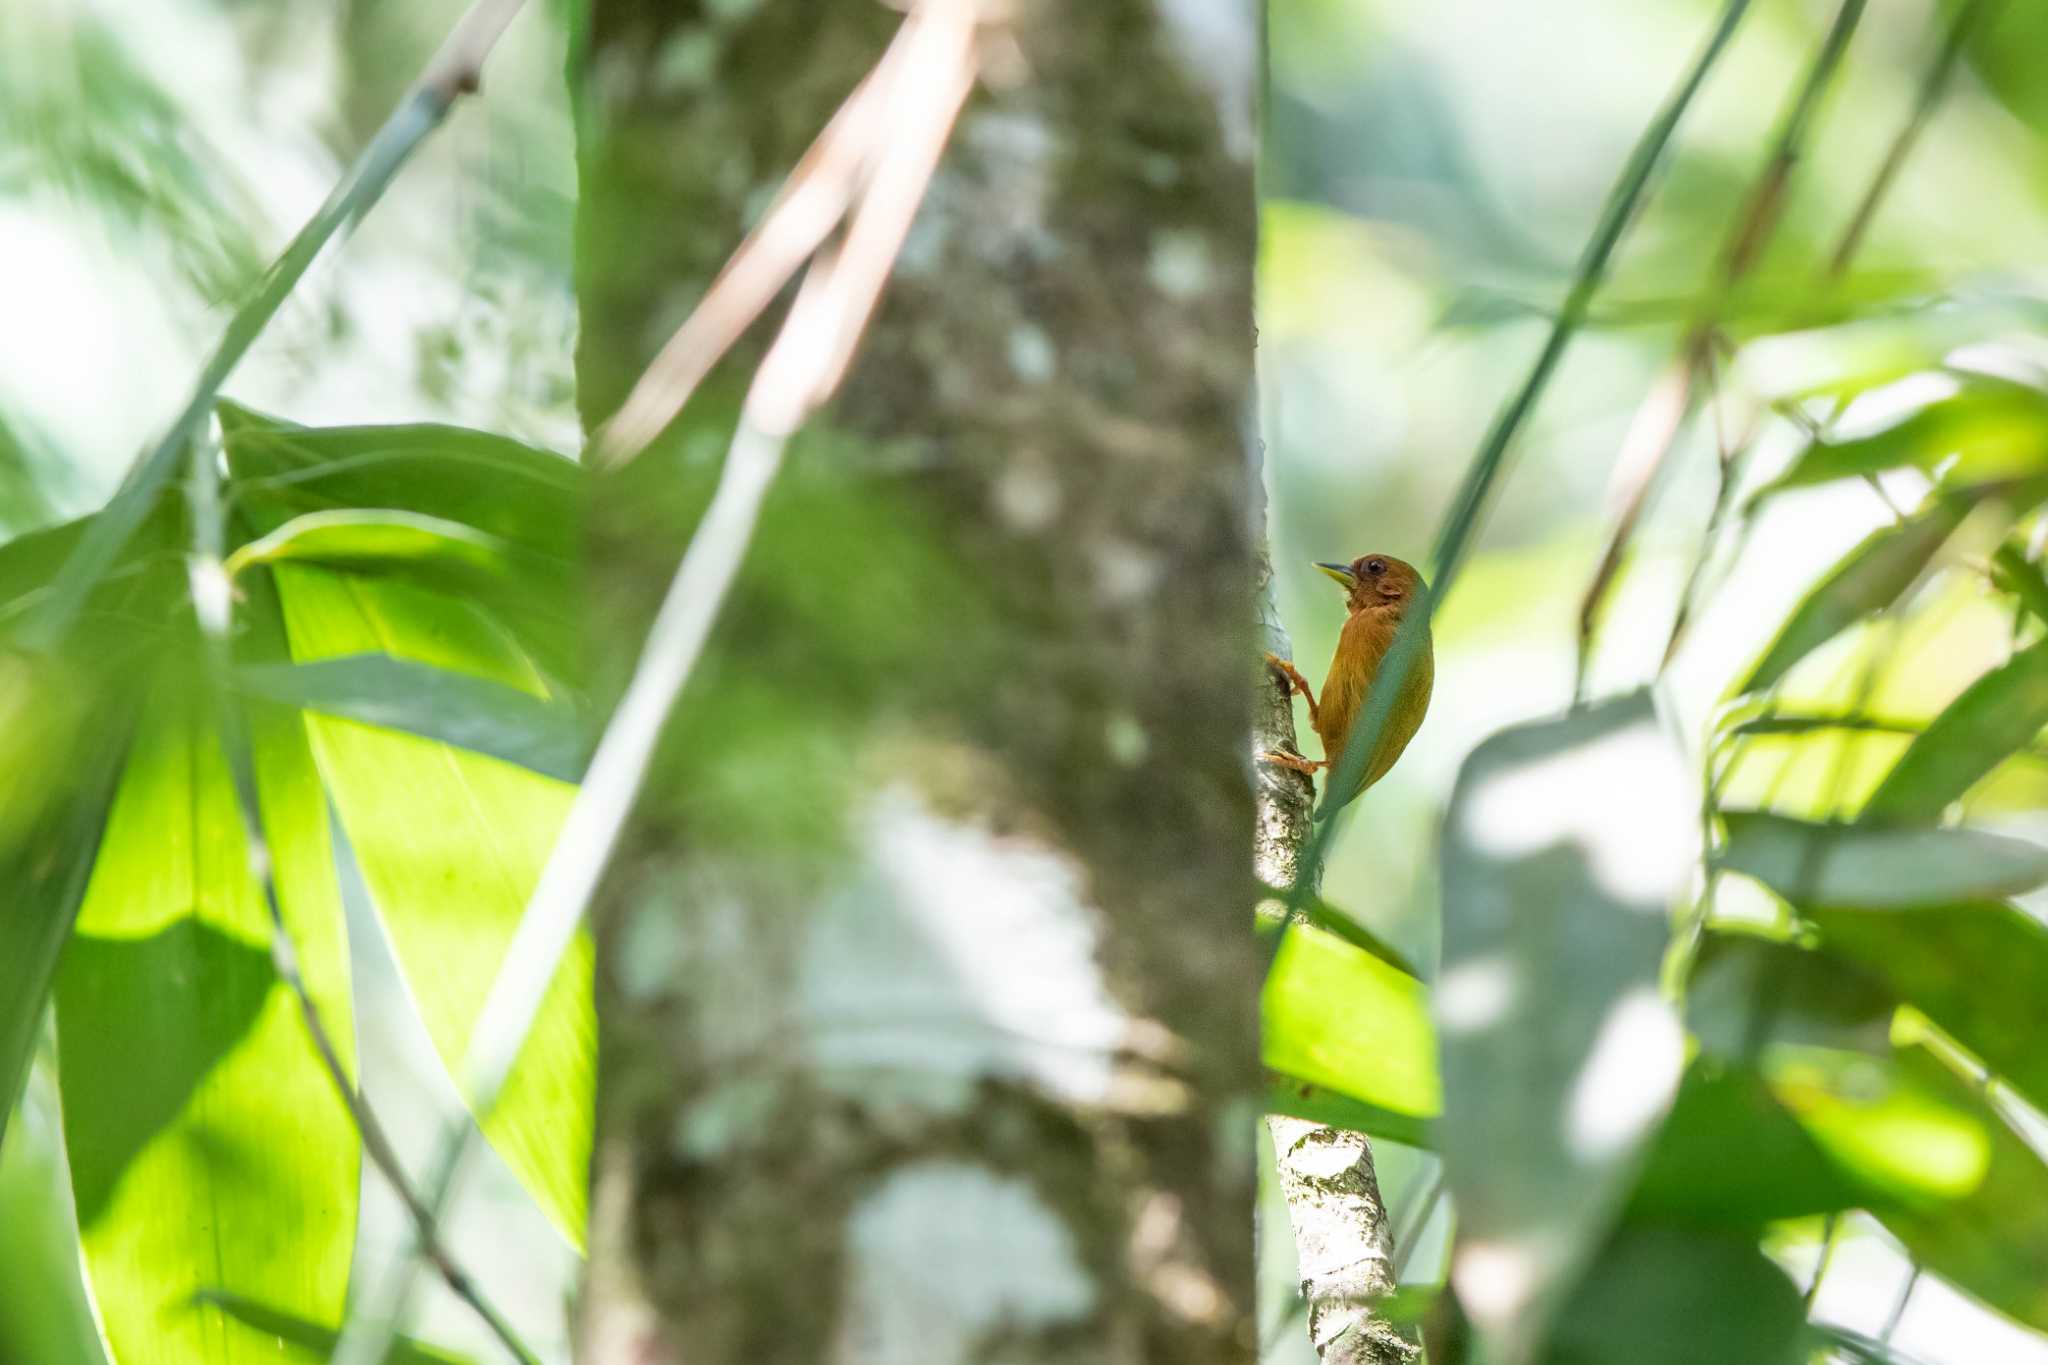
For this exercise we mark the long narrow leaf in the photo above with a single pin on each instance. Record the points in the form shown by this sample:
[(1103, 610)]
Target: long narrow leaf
[(208, 1147), (1868, 579), (459, 709), (450, 843), (1995, 717), (1856, 865)]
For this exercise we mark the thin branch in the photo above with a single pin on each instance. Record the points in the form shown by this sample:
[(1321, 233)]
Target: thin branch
[(1965, 20), (213, 601), (1961, 25), (1454, 538), (1652, 436), (801, 370), (1830, 1234), (1898, 1313), (453, 72)]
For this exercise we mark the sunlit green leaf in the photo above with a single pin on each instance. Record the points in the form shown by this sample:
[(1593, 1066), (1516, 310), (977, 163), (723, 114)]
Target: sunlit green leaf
[(460, 709), (1566, 843), (451, 843), (377, 539), (208, 1146), (2017, 574), (1856, 865), (1996, 716), (1868, 579), (1986, 431), (1992, 1240), (1338, 1019), (1979, 971)]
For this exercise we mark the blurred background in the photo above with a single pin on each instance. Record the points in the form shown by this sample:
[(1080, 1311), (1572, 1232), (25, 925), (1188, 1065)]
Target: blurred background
[(1431, 172)]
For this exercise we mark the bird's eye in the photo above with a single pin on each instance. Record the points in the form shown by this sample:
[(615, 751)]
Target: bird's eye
[(1375, 566)]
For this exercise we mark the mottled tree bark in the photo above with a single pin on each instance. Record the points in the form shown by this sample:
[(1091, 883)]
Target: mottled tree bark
[(927, 1002), (1339, 1223)]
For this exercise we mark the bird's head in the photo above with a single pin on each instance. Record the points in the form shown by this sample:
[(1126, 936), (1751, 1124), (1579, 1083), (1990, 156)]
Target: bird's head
[(1377, 582)]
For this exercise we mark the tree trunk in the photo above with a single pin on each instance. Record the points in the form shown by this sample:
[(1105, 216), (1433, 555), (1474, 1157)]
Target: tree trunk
[(926, 997)]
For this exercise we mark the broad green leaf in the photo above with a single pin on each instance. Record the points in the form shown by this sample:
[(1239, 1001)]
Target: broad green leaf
[(1979, 971), (450, 843), (1680, 1296), (460, 709), (1337, 1018), (1995, 717), (1909, 1143), (1986, 431), (1992, 1239), (1745, 991), (1336, 920), (208, 1147), (375, 539), (1319, 1104), (1855, 865), (1868, 579), (1566, 843), (526, 502), (1688, 1177)]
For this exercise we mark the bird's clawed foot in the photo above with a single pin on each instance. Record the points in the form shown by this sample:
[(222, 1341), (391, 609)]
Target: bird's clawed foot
[(1290, 676), (1294, 761)]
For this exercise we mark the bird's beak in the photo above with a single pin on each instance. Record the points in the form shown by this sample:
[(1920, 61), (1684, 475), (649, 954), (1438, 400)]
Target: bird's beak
[(1342, 573)]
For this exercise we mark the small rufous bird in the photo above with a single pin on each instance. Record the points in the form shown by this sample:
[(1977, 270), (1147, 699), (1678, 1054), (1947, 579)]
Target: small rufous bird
[(1379, 590)]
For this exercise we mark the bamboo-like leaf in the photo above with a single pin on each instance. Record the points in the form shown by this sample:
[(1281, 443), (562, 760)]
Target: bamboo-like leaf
[(1688, 1179), (375, 539), (1350, 1035), (1995, 717), (1857, 865), (459, 709), (1988, 431), (1566, 844), (1991, 1240), (208, 1146), (450, 843), (1978, 970), (1867, 580)]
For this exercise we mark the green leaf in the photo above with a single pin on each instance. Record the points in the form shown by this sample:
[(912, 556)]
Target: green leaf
[(1745, 991), (1336, 920), (1979, 971), (1991, 1240), (1689, 1178), (523, 504), (377, 539), (208, 1146), (2021, 576), (1855, 865), (1566, 843), (1867, 580), (1680, 1297), (450, 843), (1994, 431), (1996, 716), (460, 709), (1349, 1034), (313, 1341)]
